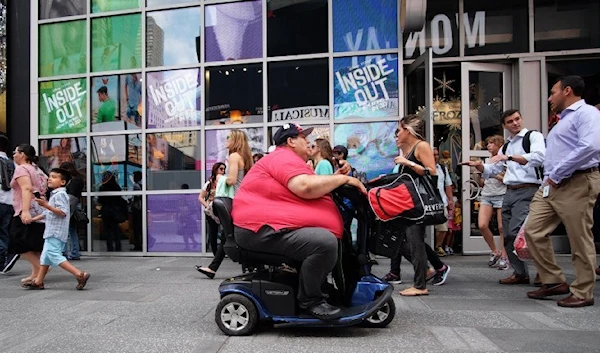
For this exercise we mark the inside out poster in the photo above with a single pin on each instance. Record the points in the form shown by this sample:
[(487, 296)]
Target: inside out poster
[(366, 87), (62, 106)]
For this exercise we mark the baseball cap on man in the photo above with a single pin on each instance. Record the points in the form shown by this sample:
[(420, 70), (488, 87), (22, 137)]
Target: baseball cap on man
[(341, 149), (289, 130)]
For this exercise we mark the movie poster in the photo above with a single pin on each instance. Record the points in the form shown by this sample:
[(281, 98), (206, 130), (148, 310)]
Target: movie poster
[(62, 49), (62, 107), (173, 98), (215, 145), (54, 152), (366, 86), (116, 43)]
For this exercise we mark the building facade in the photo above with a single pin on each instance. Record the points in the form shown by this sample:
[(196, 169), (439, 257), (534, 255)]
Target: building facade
[(152, 88)]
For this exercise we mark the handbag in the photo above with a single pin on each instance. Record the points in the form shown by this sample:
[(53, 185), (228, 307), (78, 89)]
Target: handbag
[(224, 190), (80, 217), (520, 244), (433, 204)]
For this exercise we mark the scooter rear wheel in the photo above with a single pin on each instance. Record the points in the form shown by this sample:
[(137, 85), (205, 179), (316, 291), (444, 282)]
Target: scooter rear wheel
[(383, 316), (236, 315)]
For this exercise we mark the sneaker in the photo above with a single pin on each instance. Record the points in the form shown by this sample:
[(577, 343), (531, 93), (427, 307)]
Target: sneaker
[(503, 264), (441, 276), (441, 252), (493, 259), (392, 278), (10, 263), (449, 250)]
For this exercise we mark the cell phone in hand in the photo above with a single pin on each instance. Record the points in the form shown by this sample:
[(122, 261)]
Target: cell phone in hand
[(37, 194)]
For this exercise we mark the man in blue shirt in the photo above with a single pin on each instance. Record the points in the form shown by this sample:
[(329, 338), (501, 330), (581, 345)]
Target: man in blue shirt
[(571, 184)]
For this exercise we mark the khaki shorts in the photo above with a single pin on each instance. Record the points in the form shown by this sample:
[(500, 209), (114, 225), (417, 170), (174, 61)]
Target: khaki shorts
[(444, 226)]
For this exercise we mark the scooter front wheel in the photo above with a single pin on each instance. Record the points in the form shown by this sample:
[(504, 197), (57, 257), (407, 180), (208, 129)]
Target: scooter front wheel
[(236, 315), (383, 316)]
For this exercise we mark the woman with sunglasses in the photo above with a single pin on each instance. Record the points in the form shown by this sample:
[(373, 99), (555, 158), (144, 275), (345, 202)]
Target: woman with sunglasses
[(239, 163), (322, 156), (207, 195)]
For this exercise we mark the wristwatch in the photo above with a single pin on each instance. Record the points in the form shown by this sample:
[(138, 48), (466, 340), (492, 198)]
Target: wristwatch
[(510, 158), (412, 164)]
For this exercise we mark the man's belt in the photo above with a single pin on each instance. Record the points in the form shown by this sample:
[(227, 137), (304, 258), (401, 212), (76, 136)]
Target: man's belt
[(586, 171), (521, 186)]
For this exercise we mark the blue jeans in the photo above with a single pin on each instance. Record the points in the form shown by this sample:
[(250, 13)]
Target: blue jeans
[(6, 214), (71, 247)]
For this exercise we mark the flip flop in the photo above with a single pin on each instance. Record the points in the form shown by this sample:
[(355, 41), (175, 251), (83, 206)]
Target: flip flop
[(413, 292), (208, 274)]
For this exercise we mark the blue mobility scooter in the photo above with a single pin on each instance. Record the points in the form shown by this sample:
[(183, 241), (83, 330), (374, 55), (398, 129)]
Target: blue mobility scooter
[(268, 294)]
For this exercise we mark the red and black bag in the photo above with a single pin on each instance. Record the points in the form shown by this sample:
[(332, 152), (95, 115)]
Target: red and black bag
[(396, 196)]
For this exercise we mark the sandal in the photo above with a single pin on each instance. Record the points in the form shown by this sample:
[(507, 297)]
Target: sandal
[(414, 292), (33, 285), (205, 271), (25, 282), (82, 280)]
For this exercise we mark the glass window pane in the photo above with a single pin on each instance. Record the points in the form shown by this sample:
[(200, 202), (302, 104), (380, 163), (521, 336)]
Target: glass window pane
[(365, 25), (114, 5), (216, 151), (173, 160), (54, 152), (173, 98), (116, 43), (60, 8), (62, 107), (440, 31), (297, 27), (485, 106), (234, 94), (493, 27), (566, 25), (299, 90), (319, 131), (116, 102), (174, 223), (119, 156), (82, 229), (152, 3), (62, 49), (234, 31), (116, 226), (371, 147), (366, 87), (180, 29)]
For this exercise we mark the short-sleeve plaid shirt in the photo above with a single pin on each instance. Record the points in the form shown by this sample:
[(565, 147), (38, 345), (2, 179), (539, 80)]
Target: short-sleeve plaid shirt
[(56, 226)]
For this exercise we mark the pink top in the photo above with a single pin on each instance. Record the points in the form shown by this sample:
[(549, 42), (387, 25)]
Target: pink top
[(39, 182)]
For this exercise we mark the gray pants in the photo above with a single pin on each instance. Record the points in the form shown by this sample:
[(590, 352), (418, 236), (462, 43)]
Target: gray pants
[(316, 248), (515, 208)]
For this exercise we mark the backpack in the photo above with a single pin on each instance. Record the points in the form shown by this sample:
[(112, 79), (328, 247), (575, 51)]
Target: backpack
[(7, 170), (539, 171)]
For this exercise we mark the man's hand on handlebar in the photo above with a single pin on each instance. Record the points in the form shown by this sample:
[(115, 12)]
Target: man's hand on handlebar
[(344, 167)]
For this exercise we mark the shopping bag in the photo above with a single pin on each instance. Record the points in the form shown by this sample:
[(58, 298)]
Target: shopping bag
[(520, 244)]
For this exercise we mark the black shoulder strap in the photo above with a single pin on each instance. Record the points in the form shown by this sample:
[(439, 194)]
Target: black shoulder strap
[(504, 147), (527, 141)]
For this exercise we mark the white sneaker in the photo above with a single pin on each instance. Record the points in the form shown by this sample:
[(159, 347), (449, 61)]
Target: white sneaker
[(503, 264)]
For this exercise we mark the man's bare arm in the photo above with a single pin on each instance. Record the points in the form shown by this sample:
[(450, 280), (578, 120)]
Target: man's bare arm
[(314, 186)]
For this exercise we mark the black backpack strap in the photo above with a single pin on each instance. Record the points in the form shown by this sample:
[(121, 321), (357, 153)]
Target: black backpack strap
[(504, 147), (527, 141)]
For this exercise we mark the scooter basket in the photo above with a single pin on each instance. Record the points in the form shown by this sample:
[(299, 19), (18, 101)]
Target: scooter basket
[(386, 238)]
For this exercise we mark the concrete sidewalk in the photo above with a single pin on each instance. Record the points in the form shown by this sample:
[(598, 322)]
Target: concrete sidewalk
[(164, 305)]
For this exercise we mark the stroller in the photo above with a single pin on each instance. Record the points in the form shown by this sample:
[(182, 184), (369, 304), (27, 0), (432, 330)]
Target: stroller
[(268, 294)]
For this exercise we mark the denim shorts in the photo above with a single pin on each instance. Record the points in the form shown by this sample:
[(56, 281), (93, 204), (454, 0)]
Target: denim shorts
[(52, 253), (492, 201)]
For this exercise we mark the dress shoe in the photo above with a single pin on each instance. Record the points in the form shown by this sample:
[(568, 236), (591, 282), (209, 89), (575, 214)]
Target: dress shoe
[(573, 302), (598, 271), (515, 280), (548, 290), (325, 312), (537, 282)]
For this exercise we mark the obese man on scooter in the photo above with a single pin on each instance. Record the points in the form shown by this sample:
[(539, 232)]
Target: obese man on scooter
[(283, 208)]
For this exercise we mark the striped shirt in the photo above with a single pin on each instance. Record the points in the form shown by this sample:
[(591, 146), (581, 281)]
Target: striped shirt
[(57, 226)]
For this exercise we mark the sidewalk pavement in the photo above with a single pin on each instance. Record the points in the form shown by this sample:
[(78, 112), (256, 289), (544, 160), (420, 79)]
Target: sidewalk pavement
[(163, 305)]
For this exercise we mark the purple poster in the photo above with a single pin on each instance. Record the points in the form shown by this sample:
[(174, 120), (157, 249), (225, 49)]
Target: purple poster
[(233, 31), (173, 98), (174, 223)]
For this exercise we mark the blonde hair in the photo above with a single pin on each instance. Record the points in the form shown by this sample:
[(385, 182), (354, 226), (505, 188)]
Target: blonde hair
[(496, 140), (239, 144), (415, 125)]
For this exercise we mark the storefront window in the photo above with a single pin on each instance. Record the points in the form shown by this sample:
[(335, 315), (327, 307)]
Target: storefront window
[(296, 27), (233, 31), (173, 160), (234, 94), (216, 150), (440, 31), (363, 25), (54, 152), (298, 90), (116, 102), (58, 9), (366, 87), (62, 107), (573, 25), (116, 223), (114, 5), (371, 147), (115, 161), (62, 49), (174, 223), (152, 3), (173, 98), (116, 43), (319, 131), (493, 27), (173, 37)]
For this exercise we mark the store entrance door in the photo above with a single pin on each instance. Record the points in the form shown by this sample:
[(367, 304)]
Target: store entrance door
[(486, 93)]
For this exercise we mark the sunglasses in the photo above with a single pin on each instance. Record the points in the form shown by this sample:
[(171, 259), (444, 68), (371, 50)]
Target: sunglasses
[(228, 137), (312, 146), (221, 168)]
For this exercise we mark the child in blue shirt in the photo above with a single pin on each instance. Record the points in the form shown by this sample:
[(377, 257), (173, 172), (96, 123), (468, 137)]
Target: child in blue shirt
[(57, 230)]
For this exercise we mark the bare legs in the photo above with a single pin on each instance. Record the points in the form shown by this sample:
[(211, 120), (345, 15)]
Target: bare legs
[(485, 215), (34, 259)]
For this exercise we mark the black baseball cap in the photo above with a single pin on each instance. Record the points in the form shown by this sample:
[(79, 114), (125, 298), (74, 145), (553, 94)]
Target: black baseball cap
[(289, 130), (341, 149)]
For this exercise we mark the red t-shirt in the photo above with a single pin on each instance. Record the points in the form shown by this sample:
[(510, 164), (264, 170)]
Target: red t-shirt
[(264, 198)]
